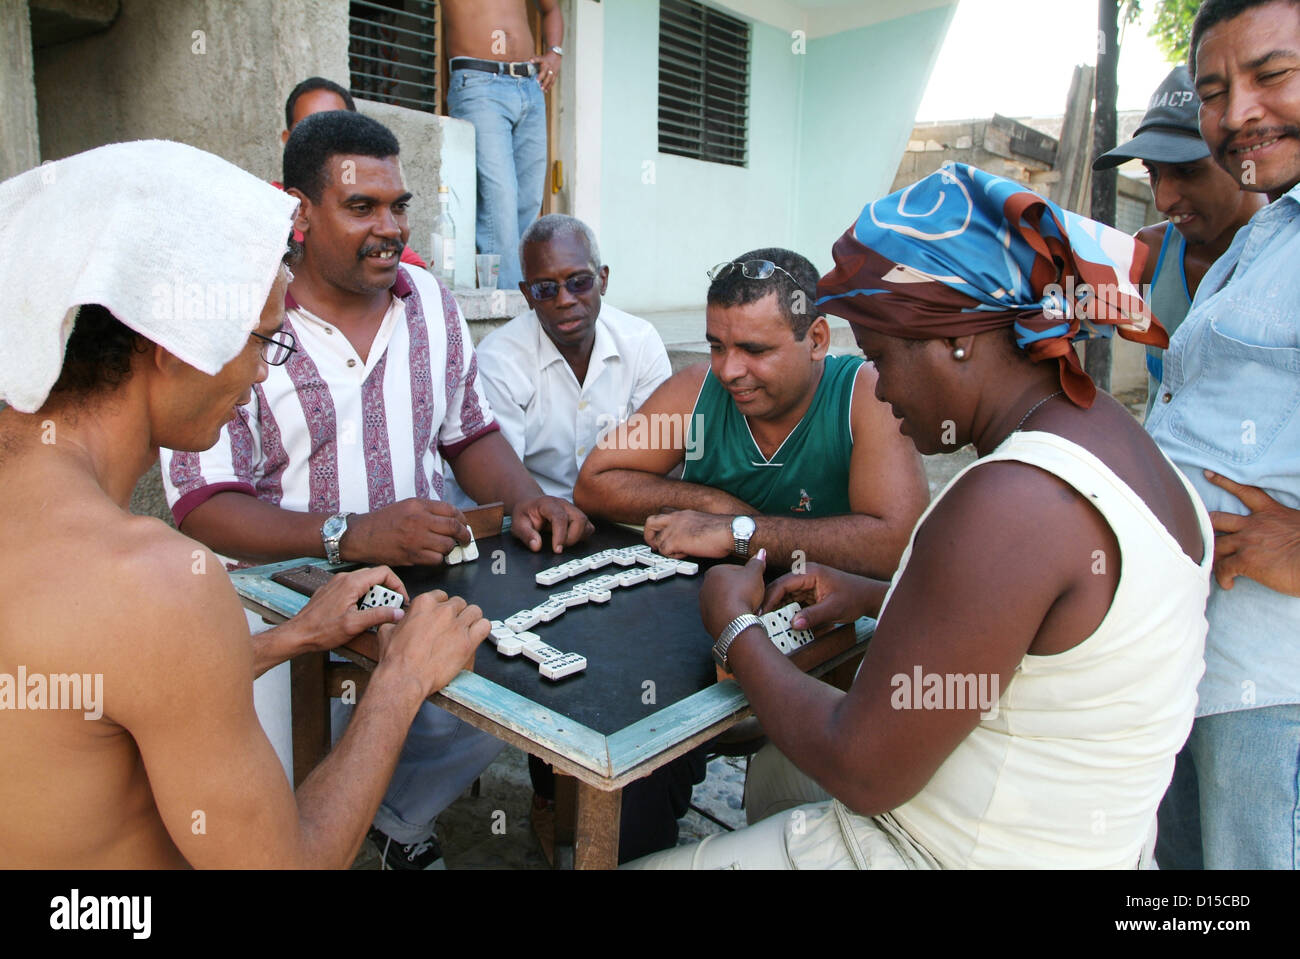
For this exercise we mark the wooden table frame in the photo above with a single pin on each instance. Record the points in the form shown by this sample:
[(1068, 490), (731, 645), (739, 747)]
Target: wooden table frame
[(602, 765)]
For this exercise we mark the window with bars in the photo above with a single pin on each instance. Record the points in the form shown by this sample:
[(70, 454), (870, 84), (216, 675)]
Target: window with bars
[(703, 83), (393, 53)]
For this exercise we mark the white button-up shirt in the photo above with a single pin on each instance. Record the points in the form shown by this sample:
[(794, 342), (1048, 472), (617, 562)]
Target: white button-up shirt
[(551, 420)]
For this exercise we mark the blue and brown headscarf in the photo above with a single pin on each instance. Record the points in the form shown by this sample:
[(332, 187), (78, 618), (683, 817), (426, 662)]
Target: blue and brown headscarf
[(963, 251)]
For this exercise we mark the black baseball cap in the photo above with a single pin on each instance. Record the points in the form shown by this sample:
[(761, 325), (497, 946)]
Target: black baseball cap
[(1169, 131)]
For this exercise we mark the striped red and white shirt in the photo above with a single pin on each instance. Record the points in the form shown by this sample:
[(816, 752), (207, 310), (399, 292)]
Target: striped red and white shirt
[(328, 431)]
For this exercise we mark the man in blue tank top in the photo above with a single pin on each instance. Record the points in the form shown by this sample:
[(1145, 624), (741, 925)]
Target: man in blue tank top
[(1205, 206), (782, 446)]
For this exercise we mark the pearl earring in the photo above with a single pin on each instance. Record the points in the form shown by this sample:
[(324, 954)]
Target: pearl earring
[(959, 354)]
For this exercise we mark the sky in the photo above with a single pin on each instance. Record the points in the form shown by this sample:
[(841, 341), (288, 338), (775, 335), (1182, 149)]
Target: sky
[(1016, 58)]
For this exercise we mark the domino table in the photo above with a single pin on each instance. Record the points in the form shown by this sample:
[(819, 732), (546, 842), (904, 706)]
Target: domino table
[(650, 691)]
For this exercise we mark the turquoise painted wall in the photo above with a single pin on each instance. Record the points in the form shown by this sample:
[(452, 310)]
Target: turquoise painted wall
[(660, 237), (826, 127), (861, 92)]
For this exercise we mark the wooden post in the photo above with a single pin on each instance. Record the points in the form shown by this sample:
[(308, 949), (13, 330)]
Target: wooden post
[(598, 817), (1097, 361), (311, 715), (566, 808)]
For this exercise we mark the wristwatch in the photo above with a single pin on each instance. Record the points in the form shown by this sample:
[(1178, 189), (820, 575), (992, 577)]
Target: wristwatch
[(558, 51), (742, 530), (331, 534), (734, 629)]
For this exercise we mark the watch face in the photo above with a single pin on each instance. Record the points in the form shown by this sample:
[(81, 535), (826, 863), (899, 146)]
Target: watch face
[(742, 527), (334, 526)]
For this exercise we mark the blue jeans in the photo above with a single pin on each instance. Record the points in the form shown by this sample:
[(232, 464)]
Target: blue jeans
[(1234, 802), (509, 117)]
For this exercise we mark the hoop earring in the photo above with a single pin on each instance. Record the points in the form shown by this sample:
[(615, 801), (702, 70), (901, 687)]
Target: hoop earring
[(959, 354)]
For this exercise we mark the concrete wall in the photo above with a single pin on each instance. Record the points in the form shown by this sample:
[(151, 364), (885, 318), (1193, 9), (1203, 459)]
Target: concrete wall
[(19, 148), (212, 73), (435, 150), (861, 89)]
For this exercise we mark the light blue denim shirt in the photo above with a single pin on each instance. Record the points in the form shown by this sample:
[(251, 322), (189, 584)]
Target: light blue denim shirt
[(1229, 402)]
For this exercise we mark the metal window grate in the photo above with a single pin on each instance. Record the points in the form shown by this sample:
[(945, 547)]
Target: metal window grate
[(393, 53), (703, 83)]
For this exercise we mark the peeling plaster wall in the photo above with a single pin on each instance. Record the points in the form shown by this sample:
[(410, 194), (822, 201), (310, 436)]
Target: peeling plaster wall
[(211, 73)]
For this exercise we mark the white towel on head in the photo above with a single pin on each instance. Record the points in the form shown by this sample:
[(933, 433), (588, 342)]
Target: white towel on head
[(180, 245)]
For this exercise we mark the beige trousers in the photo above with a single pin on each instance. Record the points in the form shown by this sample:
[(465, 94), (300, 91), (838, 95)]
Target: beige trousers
[(795, 824)]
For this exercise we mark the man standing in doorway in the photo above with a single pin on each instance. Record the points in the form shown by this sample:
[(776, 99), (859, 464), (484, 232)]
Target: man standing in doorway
[(498, 85)]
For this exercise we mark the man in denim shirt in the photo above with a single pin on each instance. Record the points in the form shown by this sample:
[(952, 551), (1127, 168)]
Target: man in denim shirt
[(1228, 414)]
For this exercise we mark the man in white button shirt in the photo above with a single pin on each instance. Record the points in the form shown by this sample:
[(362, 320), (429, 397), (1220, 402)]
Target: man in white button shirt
[(559, 374), (556, 377)]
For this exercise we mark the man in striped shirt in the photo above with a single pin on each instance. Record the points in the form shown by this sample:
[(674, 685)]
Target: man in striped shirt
[(340, 453)]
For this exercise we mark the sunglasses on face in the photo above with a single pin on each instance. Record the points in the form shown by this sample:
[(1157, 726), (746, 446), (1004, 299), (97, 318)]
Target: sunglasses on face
[(549, 289)]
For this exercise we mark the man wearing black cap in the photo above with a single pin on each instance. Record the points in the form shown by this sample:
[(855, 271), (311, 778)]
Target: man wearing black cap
[(1203, 202)]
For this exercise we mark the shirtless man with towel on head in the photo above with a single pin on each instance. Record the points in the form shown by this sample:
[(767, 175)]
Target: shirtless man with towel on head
[(127, 729)]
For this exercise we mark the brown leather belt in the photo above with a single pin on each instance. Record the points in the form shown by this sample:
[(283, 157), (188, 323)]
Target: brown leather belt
[(520, 69)]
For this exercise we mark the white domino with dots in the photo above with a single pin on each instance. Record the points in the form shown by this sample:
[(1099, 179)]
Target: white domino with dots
[(663, 570), (538, 651), (550, 610), (570, 598), (779, 626), (549, 577), (593, 592), (566, 664), (505, 639), (524, 620), (378, 596), (463, 554), (633, 576)]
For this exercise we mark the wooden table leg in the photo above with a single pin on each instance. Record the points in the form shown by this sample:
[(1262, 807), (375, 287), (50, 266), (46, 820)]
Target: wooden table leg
[(311, 713), (596, 845), (566, 804)]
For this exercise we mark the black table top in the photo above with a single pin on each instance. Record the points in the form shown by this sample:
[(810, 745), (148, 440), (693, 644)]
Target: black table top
[(646, 648)]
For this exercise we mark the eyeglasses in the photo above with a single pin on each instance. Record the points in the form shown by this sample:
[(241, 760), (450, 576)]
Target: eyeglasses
[(549, 289), (750, 270), (278, 347)]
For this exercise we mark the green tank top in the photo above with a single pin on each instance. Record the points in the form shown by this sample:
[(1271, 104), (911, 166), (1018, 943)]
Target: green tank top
[(807, 476)]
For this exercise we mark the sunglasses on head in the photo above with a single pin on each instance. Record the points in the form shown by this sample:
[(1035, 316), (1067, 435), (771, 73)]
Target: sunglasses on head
[(549, 289), (750, 269)]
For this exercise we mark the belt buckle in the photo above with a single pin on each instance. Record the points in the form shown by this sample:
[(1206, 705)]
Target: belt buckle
[(524, 67)]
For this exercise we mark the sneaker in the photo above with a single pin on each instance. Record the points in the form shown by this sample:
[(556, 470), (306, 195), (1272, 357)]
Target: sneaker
[(426, 854)]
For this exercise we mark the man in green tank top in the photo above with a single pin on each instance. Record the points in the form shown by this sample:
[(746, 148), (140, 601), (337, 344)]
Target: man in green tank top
[(781, 446)]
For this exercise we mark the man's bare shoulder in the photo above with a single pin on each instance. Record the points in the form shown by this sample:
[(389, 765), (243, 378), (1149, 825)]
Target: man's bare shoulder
[(684, 385), (872, 420), (131, 590)]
